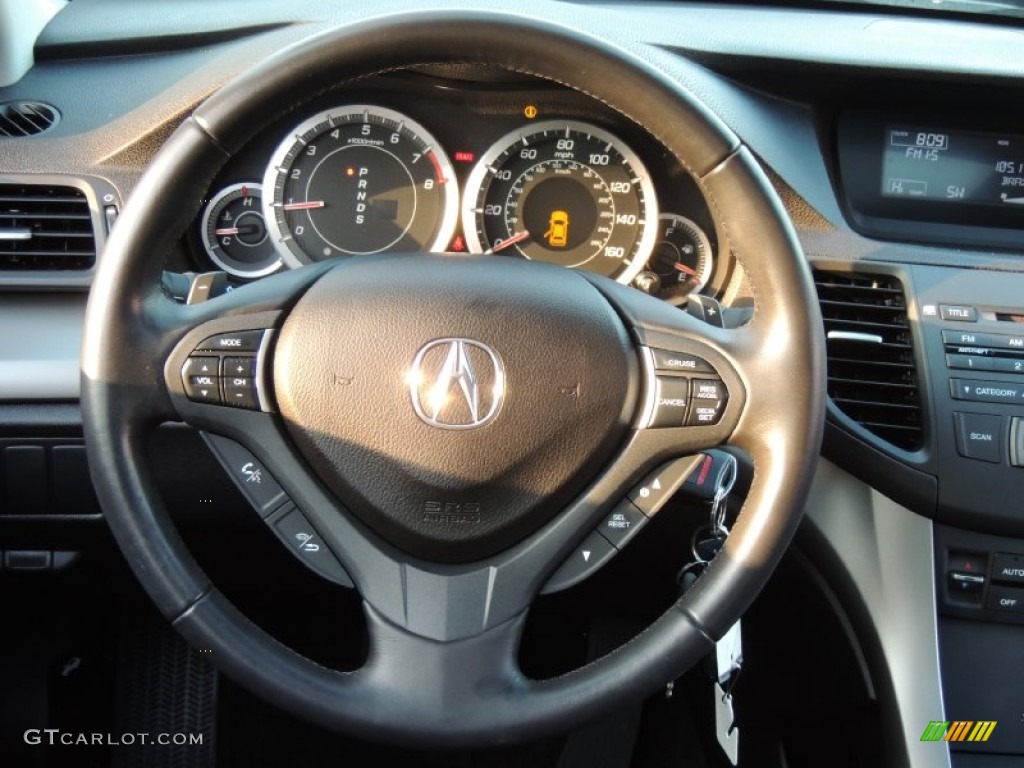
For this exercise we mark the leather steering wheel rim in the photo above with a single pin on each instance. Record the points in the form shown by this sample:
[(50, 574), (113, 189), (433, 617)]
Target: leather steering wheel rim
[(466, 699)]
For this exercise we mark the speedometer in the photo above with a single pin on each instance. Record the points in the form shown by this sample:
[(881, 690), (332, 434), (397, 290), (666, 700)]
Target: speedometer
[(359, 180), (565, 192)]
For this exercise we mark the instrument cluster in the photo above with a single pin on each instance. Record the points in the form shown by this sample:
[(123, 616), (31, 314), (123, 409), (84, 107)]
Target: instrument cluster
[(418, 163)]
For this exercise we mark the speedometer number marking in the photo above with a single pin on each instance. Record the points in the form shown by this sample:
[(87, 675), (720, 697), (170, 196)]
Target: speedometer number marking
[(563, 192)]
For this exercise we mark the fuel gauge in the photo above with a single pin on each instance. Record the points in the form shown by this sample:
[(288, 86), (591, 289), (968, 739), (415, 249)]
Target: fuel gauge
[(681, 261), (235, 233)]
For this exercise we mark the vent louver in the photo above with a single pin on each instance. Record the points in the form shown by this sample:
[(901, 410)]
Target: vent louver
[(19, 119), (45, 227), (872, 377)]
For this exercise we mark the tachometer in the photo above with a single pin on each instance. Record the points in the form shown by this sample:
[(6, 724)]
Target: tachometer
[(565, 192), (359, 180)]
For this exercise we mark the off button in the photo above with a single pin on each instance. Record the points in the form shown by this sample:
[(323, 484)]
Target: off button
[(1005, 599), (979, 436)]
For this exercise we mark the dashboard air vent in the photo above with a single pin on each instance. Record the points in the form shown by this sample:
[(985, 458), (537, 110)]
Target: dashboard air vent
[(26, 118), (872, 377), (45, 227)]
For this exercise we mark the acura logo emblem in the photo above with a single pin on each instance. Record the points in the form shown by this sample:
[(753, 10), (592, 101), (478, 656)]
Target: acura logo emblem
[(457, 383)]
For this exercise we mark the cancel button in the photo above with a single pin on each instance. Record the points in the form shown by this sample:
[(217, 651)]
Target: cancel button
[(979, 436)]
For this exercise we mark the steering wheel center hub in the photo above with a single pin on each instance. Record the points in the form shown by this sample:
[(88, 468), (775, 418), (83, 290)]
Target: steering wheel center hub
[(455, 405)]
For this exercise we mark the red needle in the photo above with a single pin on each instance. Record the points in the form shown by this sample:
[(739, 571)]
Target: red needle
[(304, 206), (516, 238), (229, 231), (685, 269)]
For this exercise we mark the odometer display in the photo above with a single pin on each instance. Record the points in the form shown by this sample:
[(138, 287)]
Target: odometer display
[(359, 180), (564, 192)]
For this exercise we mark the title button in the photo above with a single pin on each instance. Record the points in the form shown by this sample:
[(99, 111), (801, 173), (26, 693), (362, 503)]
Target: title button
[(958, 312)]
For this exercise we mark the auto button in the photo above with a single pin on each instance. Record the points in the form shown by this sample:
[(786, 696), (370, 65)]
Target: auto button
[(1008, 567)]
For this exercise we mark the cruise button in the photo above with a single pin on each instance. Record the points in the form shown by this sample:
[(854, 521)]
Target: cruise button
[(677, 361)]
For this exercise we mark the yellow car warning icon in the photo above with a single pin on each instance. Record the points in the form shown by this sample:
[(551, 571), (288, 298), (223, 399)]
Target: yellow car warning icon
[(558, 229)]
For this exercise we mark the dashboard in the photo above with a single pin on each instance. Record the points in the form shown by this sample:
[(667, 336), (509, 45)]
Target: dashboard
[(477, 162), (899, 163)]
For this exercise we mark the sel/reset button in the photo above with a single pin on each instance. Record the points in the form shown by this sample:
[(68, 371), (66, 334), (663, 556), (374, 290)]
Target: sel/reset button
[(979, 436)]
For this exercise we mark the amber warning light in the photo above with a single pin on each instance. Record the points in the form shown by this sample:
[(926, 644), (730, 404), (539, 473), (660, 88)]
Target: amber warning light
[(464, 157)]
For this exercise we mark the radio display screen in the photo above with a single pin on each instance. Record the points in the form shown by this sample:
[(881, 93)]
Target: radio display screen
[(925, 163)]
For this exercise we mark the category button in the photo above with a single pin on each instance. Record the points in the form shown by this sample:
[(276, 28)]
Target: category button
[(986, 391), (958, 312), (979, 436)]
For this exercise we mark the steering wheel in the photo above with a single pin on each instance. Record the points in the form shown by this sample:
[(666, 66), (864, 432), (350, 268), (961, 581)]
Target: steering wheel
[(568, 385)]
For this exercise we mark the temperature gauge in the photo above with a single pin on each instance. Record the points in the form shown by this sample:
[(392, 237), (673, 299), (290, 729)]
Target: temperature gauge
[(235, 233)]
